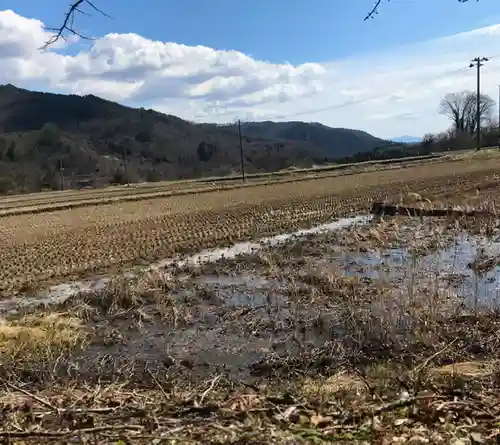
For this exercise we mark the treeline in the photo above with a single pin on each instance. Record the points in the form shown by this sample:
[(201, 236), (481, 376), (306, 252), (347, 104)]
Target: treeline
[(461, 109), (446, 141)]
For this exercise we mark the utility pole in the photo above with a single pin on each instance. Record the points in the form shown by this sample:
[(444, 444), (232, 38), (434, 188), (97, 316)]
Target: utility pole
[(498, 129), (241, 152), (477, 63), (125, 165), (61, 174)]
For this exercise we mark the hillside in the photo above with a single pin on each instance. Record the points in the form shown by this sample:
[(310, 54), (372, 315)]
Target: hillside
[(88, 135), (335, 142)]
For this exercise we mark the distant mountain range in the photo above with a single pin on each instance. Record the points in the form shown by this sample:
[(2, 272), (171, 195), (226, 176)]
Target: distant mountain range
[(39, 132), (407, 139)]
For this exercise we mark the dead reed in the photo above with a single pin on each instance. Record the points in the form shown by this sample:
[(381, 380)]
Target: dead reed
[(355, 337)]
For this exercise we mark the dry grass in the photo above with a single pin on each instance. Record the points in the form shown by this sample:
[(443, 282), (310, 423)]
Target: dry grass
[(317, 356), (34, 344), (31, 334), (344, 359), (82, 242), (469, 369), (50, 200), (381, 404), (329, 387), (147, 295)]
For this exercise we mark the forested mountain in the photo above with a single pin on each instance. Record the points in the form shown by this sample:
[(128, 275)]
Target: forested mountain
[(88, 135)]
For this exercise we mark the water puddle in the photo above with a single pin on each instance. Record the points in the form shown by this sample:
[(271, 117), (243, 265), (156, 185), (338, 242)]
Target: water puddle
[(61, 292), (451, 269), (477, 288), (239, 280), (245, 289), (211, 255)]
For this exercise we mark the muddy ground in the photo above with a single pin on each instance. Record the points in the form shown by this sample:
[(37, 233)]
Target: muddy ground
[(287, 299), (395, 292)]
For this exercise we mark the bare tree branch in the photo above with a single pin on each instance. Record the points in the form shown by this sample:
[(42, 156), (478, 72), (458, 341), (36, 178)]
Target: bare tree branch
[(76, 8), (69, 21), (374, 11), (375, 8)]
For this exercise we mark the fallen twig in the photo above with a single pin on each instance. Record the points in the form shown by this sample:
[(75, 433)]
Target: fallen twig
[(55, 409), (420, 369), (33, 396), (212, 384), (79, 432), (389, 407)]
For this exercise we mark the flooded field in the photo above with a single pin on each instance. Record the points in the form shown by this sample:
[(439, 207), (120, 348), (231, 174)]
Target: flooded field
[(230, 309), (453, 259), (61, 292), (338, 298)]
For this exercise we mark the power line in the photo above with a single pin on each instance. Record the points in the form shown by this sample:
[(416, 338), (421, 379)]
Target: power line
[(342, 105), (496, 56), (345, 104), (357, 102)]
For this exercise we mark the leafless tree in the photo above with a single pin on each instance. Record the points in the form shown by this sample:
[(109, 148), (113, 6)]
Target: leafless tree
[(86, 7), (428, 140), (461, 109)]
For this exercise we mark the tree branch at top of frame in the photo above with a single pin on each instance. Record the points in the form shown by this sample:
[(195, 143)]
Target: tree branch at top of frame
[(68, 25), (77, 7), (376, 7)]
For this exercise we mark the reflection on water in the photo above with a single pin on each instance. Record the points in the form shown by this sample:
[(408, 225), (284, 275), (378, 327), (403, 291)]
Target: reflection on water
[(450, 268), (61, 292), (452, 265)]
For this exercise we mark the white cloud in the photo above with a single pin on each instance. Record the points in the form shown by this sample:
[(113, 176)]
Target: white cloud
[(19, 36), (390, 93)]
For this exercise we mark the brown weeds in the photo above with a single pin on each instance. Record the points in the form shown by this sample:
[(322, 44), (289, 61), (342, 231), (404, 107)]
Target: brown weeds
[(32, 346), (352, 337), (86, 241)]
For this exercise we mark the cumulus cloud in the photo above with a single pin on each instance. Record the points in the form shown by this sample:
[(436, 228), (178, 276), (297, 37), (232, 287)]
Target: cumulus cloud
[(389, 93), (146, 70), (19, 36)]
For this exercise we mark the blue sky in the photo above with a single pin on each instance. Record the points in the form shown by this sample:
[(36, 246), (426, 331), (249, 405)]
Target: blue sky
[(286, 57), (294, 31)]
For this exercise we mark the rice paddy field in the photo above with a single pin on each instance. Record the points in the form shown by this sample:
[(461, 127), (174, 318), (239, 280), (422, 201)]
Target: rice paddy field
[(278, 312)]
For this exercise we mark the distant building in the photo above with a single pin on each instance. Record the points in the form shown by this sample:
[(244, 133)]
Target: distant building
[(78, 182)]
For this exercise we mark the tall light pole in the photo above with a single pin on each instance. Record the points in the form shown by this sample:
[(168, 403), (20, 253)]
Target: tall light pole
[(477, 63)]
